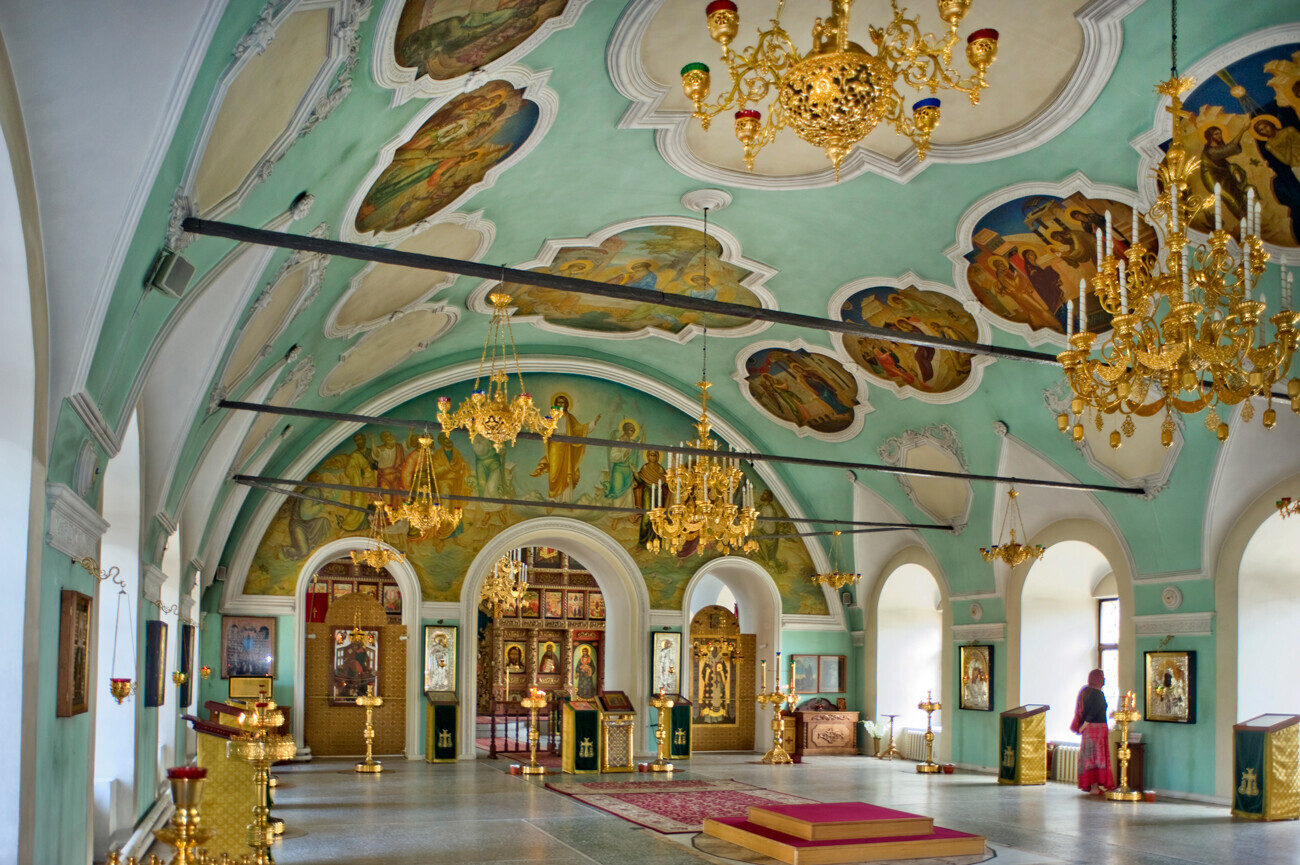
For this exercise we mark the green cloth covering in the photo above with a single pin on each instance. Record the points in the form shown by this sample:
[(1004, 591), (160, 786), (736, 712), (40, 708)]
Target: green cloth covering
[(1010, 740), (444, 719), (1248, 774), (586, 728), (680, 721)]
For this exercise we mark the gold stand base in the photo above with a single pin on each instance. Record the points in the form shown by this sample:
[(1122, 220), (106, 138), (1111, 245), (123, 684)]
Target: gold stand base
[(373, 767), (1124, 795), (777, 757), (660, 767), (531, 770), (928, 768)]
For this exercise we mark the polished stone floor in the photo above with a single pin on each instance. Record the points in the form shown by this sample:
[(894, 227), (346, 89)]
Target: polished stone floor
[(474, 812)]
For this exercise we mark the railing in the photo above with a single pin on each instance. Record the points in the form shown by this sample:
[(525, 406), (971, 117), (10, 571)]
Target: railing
[(509, 729)]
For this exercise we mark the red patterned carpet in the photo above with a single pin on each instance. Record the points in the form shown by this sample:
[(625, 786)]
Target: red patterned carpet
[(674, 806)]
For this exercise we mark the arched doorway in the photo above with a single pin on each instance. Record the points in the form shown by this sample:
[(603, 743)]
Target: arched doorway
[(909, 644), (627, 610), (1268, 607)]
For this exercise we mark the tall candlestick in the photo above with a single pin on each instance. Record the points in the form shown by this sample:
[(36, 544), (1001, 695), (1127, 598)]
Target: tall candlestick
[(1101, 244), (1218, 208), (1083, 304), (1110, 236), (763, 664), (1069, 319), (1123, 288), (778, 670)]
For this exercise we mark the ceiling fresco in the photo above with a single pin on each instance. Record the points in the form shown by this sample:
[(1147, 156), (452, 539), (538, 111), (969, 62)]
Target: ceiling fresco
[(387, 346), (810, 391), (445, 39)]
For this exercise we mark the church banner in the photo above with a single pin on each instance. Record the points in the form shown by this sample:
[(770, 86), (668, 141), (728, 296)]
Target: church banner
[(1248, 775), (1009, 748), (580, 740)]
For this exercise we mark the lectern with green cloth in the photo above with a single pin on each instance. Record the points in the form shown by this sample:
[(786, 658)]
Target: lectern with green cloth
[(442, 718), (679, 728), (1265, 765), (1022, 748), (580, 738)]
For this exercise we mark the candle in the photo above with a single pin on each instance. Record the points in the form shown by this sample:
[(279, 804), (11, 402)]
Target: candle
[(1100, 245), (1083, 304), (1069, 319), (1245, 276), (1182, 265), (1173, 205), (1250, 209), (1218, 208), (792, 675), (763, 664), (1110, 237), (1133, 236), (1286, 288), (1123, 288)]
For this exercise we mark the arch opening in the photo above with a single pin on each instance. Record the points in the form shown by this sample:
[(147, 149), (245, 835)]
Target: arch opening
[(909, 645)]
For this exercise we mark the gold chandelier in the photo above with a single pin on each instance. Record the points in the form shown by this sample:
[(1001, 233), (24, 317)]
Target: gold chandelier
[(834, 95), (836, 578), (1189, 332), (380, 554), (423, 509), (1288, 508), (507, 582), (492, 413), (1011, 551)]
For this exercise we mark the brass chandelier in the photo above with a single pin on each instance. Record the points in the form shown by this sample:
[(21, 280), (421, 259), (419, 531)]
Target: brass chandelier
[(1288, 508), (507, 582), (380, 554), (836, 578), (1189, 332), (833, 96), (1011, 551), (423, 509), (492, 413)]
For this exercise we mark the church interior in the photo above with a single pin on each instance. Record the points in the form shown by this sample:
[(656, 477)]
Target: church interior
[(841, 431)]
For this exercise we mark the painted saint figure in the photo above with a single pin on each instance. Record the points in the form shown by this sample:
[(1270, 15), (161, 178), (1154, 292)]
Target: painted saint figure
[(562, 462), (584, 674)]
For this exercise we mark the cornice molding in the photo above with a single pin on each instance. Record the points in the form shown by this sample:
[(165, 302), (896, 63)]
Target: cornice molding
[(96, 424), (152, 579), (74, 527), (982, 633), (1177, 624)]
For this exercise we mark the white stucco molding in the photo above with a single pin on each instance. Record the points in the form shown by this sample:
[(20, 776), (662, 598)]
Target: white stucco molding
[(74, 528), (1171, 576), (861, 410), (1177, 624), (152, 580), (981, 633), (96, 424), (943, 438), (1100, 23)]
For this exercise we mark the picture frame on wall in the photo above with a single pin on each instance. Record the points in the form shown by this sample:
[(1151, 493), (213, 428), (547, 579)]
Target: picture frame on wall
[(666, 662), (248, 646), (187, 665), (575, 604), (74, 654), (1171, 687), (154, 691), (976, 692), (553, 604), (530, 605), (805, 673), (439, 658), (595, 605), (339, 588), (830, 674), (354, 669), (392, 600)]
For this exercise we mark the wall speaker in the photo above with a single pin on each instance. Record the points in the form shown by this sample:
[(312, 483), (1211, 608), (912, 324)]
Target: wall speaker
[(171, 274)]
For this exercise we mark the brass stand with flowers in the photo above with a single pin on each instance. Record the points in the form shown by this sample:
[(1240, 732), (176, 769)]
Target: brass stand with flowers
[(370, 765), (663, 706), (929, 767), (184, 833), (259, 745), (1126, 714), (535, 700)]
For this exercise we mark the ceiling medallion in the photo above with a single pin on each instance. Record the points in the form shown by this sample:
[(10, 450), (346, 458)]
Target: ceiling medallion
[(380, 554), (836, 579), (1011, 551), (1188, 334), (492, 413), (423, 510), (838, 92)]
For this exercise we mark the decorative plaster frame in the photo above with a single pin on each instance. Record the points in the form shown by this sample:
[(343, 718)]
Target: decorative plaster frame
[(301, 377), (332, 84), (452, 315), (313, 265), (1075, 182), (235, 602), (860, 411), (911, 280), (1147, 144), (731, 253), (469, 221), (994, 632), (534, 90), (1056, 399), (1100, 22), (74, 528), (1178, 624), (403, 80), (943, 437)]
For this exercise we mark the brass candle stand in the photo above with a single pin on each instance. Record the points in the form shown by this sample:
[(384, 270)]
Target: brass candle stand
[(370, 766), (663, 705), (1126, 714), (259, 745), (892, 751), (535, 700), (185, 833), (778, 756), (929, 767)]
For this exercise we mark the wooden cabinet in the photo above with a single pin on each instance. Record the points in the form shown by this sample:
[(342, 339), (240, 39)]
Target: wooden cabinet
[(826, 733)]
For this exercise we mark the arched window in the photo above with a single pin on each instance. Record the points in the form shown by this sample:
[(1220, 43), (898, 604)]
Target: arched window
[(909, 640), (1268, 607)]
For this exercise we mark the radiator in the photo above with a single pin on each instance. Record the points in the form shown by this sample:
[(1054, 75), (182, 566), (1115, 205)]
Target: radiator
[(1065, 762), (911, 743)]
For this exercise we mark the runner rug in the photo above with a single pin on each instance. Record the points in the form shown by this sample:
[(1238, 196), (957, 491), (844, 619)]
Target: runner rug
[(674, 806)]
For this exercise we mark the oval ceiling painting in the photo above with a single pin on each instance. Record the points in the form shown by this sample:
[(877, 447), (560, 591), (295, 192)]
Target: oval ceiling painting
[(447, 38), (1028, 254), (909, 309), (1245, 127), (803, 388), (453, 150), (667, 258)]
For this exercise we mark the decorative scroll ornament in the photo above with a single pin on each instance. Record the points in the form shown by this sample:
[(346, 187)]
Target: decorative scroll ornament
[(423, 509), (492, 413), (837, 93), (1188, 334), (836, 578), (380, 554), (1011, 551)]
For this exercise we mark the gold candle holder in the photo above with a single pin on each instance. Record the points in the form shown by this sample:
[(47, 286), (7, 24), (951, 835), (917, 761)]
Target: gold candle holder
[(535, 700), (1126, 714), (929, 767), (370, 766), (204, 672), (179, 678), (120, 689), (185, 833), (259, 745), (778, 756), (892, 751), (663, 705)]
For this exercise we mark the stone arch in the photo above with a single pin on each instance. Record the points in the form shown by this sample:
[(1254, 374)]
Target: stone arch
[(759, 601), (627, 609), (412, 598)]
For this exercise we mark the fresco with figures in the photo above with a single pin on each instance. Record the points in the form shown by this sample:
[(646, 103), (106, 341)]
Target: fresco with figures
[(380, 456), (1245, 126), (447, 38), (805, 388), (1028, 254), (667, 258), (923, 368), (450, 152)]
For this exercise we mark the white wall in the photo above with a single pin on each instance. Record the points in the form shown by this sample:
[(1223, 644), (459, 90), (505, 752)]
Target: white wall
[(168, 712), (1268, 608), (1058, 630), (908, 645), (709, 591)]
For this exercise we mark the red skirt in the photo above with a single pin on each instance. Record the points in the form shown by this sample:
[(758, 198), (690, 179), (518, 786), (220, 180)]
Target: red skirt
[(1094, 758)]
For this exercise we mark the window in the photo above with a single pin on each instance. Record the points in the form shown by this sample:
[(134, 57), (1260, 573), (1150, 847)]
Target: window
[(1108, 647)]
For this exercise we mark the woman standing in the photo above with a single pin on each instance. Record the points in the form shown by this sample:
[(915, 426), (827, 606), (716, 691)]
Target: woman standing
[(1089, 722)]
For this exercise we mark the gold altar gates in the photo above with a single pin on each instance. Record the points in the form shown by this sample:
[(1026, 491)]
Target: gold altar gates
[(721, 665), (1264, 768), (1022, 746)]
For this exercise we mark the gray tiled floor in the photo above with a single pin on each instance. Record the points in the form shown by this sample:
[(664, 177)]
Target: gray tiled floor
[(471, 812)]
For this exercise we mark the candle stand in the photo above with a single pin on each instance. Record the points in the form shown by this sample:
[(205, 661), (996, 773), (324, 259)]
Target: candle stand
[(929, 767), (259, 745), (535, 700), (892, 751), (1126, 714), (370, 765), (663, 706), (778, 756), (185, 833)]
